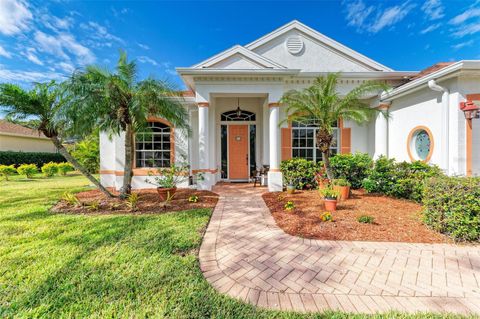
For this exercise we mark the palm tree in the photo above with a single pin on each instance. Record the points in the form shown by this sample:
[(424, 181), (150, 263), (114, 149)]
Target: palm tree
[(115, 102), (40, 107), (322, 104)]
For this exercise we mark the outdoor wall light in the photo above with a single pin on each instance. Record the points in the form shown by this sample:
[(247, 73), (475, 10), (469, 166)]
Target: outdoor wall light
[(471, 109)]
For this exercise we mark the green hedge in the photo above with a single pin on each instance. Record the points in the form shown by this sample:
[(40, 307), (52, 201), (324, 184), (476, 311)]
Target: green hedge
[(300, 172), (352, 167), (452, 206), (39, 159)]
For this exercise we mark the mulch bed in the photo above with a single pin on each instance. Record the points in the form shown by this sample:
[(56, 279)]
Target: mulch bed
[(148, 203), (395, 220)]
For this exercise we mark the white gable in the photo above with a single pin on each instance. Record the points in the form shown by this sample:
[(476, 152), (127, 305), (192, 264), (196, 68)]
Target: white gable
[(237, 61)]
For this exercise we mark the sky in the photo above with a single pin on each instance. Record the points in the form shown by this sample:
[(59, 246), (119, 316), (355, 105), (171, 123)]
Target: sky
[(41, 40)]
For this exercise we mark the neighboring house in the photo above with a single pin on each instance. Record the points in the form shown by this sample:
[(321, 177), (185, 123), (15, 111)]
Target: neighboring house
[(17, 138), (235, 115)]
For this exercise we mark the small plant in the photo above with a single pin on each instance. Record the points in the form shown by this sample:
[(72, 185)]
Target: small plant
[(193, 199), (326, 217), (28, 170), (289, 205), (64, 168), (169, 177), (50, 169), (94, 205), (71, 199), (341, 182), (7, 170), (329, 193), (366, 219), (132, 201)]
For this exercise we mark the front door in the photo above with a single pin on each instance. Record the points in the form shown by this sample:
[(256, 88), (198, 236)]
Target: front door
[(238, 152)]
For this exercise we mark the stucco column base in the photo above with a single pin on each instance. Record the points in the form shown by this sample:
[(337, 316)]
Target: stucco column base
[(275, 181), (206, 183)]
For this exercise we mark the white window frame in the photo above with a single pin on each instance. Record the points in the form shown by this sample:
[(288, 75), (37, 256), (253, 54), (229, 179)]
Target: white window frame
[(333, 150), (154, 143)]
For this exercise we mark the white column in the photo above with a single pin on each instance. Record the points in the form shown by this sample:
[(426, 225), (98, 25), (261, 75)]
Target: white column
[(275, 180), (205, 182), (381, 133)]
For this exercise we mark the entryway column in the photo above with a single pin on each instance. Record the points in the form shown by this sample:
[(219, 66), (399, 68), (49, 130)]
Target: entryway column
[(381, 132), (275, 180), (205, 176)]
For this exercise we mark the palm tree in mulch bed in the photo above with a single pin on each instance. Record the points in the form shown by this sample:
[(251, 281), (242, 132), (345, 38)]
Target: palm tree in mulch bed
[(323, 105)]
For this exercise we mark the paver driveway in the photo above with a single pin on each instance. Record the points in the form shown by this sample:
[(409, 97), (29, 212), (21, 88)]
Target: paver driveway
[(245, 255)]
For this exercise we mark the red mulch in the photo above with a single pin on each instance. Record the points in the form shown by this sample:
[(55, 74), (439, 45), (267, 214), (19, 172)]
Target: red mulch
[(148, 203), (395, 220)]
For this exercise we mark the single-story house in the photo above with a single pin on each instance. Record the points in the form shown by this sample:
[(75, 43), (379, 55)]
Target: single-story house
[(237, 120), (18, 138)]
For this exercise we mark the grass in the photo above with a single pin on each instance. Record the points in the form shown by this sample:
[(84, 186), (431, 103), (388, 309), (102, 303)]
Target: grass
[(63, 266)]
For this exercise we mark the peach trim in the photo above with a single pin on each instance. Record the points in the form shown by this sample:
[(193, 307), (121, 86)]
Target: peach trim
[(286, 148), (274, 170), (345, 140), (469, 137), (172, 141), (107, 172), (274, 104), (205, 170), (410, 136), (383, 106), (136, 172), (203, 104)]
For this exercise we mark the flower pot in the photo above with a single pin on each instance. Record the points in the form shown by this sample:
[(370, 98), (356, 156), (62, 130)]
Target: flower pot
[(290, 189), (344, 192), (330, 204), (322, 183), (165, 193)]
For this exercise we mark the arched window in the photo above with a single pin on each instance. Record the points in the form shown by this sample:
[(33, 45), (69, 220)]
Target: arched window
[(153, 147), (238, 115)]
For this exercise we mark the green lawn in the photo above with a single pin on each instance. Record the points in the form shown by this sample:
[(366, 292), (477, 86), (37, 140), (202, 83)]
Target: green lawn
[(54, 265)]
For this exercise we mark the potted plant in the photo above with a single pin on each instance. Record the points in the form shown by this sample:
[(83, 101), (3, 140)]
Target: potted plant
[(330, 197), (343, 187), (321, 179), (167, 180), (290, 184)]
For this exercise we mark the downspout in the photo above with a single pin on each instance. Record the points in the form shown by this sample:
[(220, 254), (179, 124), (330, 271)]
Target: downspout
[(432, 84)]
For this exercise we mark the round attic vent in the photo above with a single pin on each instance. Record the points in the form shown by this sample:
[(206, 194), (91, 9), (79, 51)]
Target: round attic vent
[(294, 44)]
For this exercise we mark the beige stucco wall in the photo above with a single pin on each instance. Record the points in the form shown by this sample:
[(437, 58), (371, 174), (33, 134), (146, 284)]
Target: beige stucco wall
[(25, 144)]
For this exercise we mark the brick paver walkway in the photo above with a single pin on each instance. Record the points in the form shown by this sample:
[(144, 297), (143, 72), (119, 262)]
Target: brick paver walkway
[(246, 256)]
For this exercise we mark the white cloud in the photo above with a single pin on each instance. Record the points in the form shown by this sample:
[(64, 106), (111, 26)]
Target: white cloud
[(430, 28), (468, 29), (15, 16), (433, 9), (374, 19), (55, 23), (462, 44), (143, 46), (146, 59), (466, 15), (20, 76), (31, 56), (58, 44), (67, 67), (100, 34), (391, 16), (4, 52)]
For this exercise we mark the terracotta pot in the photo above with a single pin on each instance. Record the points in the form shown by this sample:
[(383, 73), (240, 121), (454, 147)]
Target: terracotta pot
[(330, 204), (322, 183), (290, 189), (344, 191), (164, 193)]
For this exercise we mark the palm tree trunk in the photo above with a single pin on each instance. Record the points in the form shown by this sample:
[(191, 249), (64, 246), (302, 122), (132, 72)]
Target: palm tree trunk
[(128, 169), (62, 150), (326, 162), (324, 141)]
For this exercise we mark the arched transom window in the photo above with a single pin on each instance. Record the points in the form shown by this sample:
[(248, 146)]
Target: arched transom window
[(153, 147), (238, 115)]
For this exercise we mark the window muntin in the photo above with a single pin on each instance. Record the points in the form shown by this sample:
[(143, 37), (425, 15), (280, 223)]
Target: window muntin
[(153, 147), (236, 115), (304, 144)]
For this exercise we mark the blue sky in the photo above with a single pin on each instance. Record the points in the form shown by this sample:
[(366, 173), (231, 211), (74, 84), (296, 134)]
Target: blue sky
[(42, 40)]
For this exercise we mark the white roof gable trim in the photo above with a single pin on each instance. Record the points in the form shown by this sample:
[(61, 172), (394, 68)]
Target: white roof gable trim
[(319, 37), (249, 55)]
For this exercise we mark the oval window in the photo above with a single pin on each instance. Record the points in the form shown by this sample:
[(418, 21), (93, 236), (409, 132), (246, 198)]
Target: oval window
[(420, 144)]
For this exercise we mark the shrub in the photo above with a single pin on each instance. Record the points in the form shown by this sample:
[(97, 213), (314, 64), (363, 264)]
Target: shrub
[(341, 182), (352, 167), (71, 199), (300, 172), (289, 205), (50, 169), (28, 170), (326, 217), (39, 159), (87, 153), (401, 180), (64, 168), (366, 219), (132, 201), (452, 206), (7, 170)]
